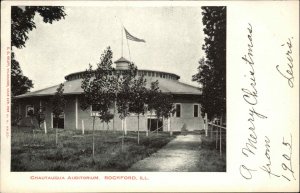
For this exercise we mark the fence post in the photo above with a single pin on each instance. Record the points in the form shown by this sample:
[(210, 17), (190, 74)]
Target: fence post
[(45, 127), (82, 122), (147, 129), (220, 141)]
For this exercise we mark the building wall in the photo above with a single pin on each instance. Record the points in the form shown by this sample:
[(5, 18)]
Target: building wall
[(70, 113), (186, 120)]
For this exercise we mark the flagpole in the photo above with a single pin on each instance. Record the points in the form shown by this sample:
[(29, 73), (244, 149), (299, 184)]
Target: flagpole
[(122, 39), (128, 50)]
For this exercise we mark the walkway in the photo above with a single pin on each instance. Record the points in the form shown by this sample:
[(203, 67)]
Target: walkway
[(181, 155)]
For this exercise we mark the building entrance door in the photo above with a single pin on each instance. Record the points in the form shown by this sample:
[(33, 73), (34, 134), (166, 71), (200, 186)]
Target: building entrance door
[(59, 122), (152, 125)]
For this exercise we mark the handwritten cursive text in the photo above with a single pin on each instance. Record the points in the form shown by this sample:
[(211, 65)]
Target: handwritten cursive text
[(288, 74)]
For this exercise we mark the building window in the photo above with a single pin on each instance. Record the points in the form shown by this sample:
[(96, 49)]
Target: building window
[(196, 110), (29, 110), (95, 110), (178, 110)]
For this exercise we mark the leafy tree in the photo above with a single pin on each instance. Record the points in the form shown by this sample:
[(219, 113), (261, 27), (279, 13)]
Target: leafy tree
[(107, 117), (124, 92), (20, 84), (99, 90), (58, 105), (21, 23), (212, 70), (138, 99), (22, 20), (124, 81), (97, 86)]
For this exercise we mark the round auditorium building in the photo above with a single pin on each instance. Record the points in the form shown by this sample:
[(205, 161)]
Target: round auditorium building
[(186, 98)]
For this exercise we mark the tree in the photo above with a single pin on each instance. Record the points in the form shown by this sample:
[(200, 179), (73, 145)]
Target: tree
[(22, 20), (20, 84), (138, 99), (107, 117), (151, 100), (98, 89), (58, 106), (124, 93), (212, 70)]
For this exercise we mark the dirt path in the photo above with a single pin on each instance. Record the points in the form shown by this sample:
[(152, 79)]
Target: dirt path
[(181, 154)]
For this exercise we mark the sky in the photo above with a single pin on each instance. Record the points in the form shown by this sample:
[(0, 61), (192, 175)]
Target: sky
[(173, 35)]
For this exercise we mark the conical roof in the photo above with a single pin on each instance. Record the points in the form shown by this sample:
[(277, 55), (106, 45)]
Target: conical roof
[(74, 87), (122, 59)]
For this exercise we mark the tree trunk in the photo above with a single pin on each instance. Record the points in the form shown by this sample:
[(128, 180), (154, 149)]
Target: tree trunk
[(107, 127), (138, 129), (93, 141), (125, 127), (171, 133)]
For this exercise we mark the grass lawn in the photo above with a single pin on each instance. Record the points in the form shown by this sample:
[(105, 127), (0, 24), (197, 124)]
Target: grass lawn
[(38, 152), (209, 157)]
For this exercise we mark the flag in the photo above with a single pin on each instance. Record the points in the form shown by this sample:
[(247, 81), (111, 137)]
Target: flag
[(131, 37)]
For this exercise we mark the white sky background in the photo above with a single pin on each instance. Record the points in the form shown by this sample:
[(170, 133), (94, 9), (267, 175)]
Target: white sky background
[(173, 35)]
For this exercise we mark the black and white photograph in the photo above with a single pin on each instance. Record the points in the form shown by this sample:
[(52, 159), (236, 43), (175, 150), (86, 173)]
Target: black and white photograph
[(118, 88), (149, 96)]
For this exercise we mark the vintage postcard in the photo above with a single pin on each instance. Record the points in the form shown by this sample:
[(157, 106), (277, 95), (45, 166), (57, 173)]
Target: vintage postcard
[(140, 96)]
